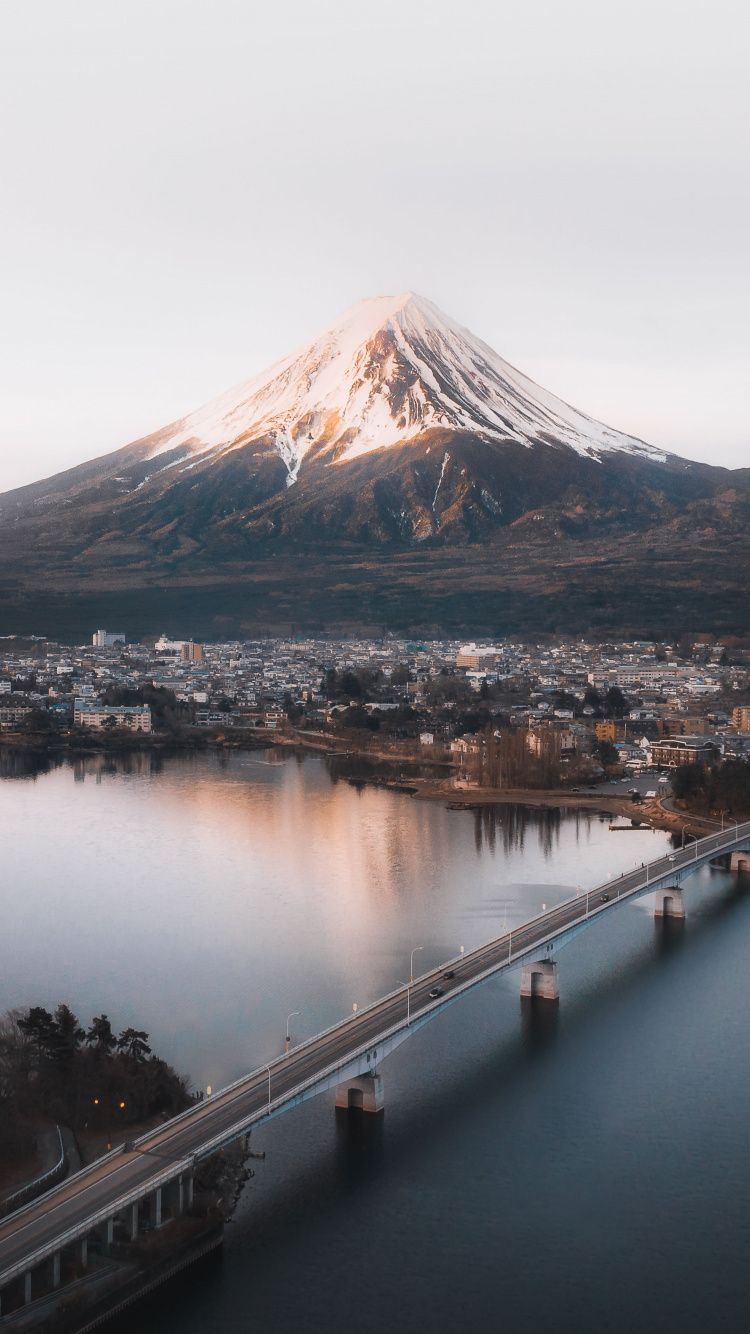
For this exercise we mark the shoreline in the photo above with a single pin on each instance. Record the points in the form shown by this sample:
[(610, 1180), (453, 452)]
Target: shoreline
[(374, 768)]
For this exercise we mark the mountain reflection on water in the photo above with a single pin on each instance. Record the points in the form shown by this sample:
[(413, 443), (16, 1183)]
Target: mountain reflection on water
[(581, 1166)]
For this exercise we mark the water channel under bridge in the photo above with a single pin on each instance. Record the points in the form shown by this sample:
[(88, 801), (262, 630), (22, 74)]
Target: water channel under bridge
[(158, 1167)]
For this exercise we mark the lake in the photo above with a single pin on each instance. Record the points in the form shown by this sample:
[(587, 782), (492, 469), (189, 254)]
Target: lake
[(585, 1164)]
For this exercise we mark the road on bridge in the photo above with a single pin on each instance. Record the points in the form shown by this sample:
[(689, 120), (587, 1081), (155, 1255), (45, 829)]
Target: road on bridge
[(88, 1193)]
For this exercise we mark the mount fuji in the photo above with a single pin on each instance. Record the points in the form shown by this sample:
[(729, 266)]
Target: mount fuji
[(386, 372), (393, 428)]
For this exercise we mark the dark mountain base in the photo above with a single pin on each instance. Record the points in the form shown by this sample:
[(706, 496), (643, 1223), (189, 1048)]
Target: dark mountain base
[(653, 586)]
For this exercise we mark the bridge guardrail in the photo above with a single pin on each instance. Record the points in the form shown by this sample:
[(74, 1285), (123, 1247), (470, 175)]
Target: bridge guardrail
[(33, 1189)]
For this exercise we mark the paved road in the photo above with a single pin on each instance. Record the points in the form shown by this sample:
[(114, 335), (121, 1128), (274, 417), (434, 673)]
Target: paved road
[(82, 1197)]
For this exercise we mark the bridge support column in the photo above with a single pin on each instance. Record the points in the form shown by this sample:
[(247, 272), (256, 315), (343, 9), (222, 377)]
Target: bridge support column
[(82, 1255), (27, 1287), (54, 1270), (740, 861), (365, 1092), (189, 1191), (107, 1232), (156, 1209), (669, 902), (132, 1220), (540, 979)]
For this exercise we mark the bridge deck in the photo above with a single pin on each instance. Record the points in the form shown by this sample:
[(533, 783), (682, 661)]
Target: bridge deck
[(74, 1207)]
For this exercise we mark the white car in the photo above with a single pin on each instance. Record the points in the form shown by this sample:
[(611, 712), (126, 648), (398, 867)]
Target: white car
[(651, 793)]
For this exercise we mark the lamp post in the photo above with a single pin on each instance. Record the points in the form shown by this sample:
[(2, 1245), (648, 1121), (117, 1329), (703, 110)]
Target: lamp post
[(408, 1000), (289, 1016), (268, 1068), (411, 963)]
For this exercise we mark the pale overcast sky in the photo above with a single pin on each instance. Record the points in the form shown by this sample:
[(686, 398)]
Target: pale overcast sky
[(188, 190)]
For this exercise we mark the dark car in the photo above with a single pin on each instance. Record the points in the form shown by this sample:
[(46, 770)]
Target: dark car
[(436, 991), (604, 898), (449, 975)]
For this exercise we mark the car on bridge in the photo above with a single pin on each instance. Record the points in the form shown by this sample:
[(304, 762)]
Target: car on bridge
[(436, 992)]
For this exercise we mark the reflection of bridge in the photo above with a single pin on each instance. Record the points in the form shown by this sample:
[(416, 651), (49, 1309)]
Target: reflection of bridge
[(152, 1177)]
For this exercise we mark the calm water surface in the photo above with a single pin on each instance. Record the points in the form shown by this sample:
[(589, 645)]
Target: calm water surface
[(586, 1168)]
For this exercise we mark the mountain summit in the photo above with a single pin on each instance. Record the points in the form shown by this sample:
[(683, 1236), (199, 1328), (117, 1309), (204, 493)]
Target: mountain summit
[(385, 372), (395, 440)]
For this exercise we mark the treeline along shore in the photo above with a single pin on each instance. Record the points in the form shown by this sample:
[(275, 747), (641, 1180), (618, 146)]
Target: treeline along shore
[(53, 1070)]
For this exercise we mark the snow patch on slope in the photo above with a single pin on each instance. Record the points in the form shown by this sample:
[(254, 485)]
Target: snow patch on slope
[(385, 372)]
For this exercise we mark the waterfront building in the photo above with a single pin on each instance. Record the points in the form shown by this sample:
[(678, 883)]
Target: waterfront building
[(136, 717), (670, 752)]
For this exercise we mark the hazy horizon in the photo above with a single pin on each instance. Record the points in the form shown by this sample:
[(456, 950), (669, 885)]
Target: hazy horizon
[(191, 193)]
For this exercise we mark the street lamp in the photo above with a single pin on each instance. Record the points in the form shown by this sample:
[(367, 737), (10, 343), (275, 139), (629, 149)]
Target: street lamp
[(411, 964), (268, 1068), (408, 999), (289, 1016)]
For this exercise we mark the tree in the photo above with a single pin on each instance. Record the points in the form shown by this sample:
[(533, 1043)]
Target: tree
[(134, 1042), (39, 1028), (69, 1034), (350, 685), (608, 754), (100, 1036), (292, 709), (592, 698), (688, 781), (615, 703)]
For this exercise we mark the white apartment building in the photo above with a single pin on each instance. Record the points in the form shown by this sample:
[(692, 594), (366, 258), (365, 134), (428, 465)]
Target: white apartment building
[(136, 717), (107, 638)]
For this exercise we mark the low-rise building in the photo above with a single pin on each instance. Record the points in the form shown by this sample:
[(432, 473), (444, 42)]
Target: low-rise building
[(12, 716), (135, 717), (107, 638), (670, 752), (477, 658)]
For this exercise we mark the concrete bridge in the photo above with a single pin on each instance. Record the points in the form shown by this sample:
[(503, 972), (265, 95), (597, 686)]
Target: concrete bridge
[(140, 1180)]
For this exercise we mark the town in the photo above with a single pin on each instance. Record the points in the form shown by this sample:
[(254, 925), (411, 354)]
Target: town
[(508, 714)]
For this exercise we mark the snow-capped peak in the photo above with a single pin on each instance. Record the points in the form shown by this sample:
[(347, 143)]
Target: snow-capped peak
[(382, 374)]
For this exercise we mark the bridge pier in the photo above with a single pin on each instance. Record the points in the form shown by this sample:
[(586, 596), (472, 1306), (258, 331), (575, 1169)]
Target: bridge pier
[(156, 1208), (107, 1232), (365, 1092), (54, 1270), (669, 902), (131, 1216), (540, 979), (173, 1196), (740, 861)]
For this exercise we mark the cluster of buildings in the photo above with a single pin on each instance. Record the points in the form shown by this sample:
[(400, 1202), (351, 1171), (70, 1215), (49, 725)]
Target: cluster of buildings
[(653, 707)]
